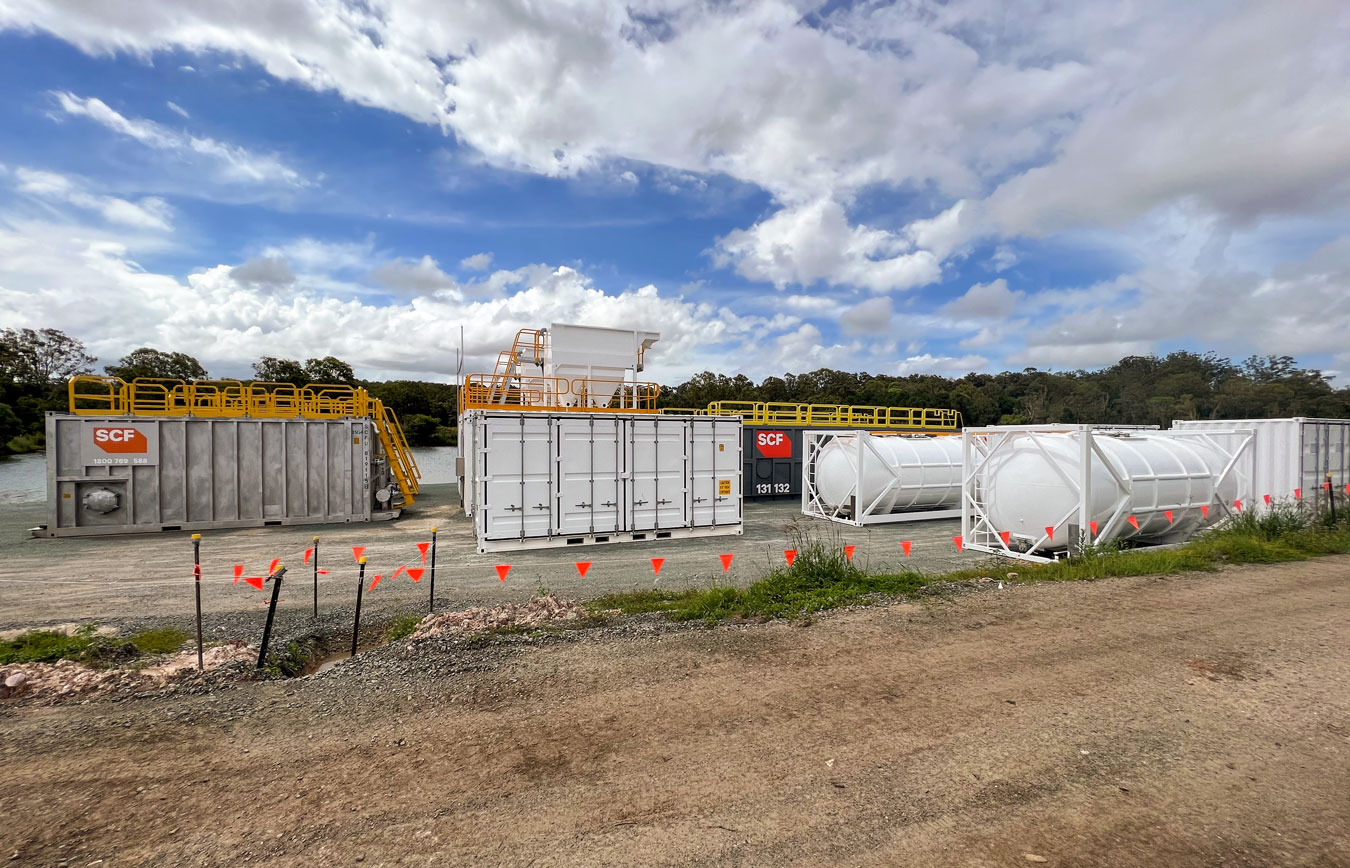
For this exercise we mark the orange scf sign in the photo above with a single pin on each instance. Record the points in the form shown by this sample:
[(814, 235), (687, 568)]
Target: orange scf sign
[(121, 441)]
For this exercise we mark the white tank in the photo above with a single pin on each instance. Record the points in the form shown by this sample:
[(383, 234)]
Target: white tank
[(1030, 483), (906, 472)]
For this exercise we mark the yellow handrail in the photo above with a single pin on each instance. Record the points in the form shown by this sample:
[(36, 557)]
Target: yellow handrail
[(551, 394), (835, 415), (91, 395)]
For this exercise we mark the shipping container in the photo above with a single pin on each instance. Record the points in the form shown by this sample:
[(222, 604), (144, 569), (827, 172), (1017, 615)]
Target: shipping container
[(119, 474), (533, 479), (1293, 456)]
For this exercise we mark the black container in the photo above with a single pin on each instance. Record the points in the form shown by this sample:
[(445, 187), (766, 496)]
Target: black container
[(773, 461)]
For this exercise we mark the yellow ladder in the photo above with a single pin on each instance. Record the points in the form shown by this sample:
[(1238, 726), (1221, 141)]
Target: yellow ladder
[(401, 459)]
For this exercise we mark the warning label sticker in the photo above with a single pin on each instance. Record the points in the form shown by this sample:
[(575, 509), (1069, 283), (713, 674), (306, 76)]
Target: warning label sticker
[(724, 487)]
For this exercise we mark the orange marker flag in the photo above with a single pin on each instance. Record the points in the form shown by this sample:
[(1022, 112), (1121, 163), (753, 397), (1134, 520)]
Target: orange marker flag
[(272, 567), (394, 575), (1093, 525), (1134, 521), (1298, 494), (1267, 500), (848, 551), (726, 562), (791, 555), (583, 567), (422, 547), (308, 554), (373, 582), (657, 563), (502, 570), (1049, 532), (906, 545), (1006, 536), (1168, 513), (238, 571), (1347, 488), (415, 573), (255, 581), (357, 551), (323, 572), (1238, 505), (1204, 510), (960, 543)]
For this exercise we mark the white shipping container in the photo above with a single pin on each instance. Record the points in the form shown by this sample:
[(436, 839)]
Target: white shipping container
[(1292, 456), (534, 480)]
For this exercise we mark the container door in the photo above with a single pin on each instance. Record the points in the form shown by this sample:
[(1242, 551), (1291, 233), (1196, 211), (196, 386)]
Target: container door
[(714, 471), (657, 487), (590, 460), (516, 482)]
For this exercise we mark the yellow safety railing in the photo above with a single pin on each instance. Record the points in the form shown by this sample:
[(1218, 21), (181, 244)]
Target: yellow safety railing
[(228, 399), (832, 415), (556, 394)]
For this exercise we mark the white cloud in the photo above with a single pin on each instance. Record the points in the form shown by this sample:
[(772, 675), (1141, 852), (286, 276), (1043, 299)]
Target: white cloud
[(945, 365), (148, 212), (872, 316), (814, 243), (991, 300), (177, 109), (231, 161), (477, 262), (423, 277), (272, 271)]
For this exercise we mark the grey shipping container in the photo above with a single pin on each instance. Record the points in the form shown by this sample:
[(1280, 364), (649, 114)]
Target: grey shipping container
[(119, 474), (534, 479)]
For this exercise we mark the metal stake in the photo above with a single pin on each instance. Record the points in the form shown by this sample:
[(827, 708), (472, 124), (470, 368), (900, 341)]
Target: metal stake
[(432, 604), (1331, 498), (197, 582), (316, 578), (275, 579), (360, 584)]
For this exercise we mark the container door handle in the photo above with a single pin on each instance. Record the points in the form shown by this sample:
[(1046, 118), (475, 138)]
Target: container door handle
[(638, 502), (700, 499), (609, 503), (540, 506), (513, 508), (662, 502), (584, 505)]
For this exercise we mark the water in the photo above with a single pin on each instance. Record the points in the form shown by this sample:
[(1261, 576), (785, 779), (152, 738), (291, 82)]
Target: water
[(23, 478)]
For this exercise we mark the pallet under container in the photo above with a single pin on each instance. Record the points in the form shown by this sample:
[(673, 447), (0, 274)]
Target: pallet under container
[(534, 479), (115, 475)]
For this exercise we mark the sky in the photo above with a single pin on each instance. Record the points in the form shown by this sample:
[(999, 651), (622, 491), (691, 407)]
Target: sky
[(897, 188)]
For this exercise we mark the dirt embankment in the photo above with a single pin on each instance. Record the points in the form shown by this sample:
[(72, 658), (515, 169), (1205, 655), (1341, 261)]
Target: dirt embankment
[(1190, 721)]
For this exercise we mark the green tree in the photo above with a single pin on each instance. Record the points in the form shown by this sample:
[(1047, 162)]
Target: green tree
[(148, 362), (10, 426), (421, 430), (270, 369), (329, 370), (42, 357)]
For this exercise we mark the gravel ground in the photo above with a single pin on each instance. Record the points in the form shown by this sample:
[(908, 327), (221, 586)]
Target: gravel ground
[(1196, 720), (148, 578)]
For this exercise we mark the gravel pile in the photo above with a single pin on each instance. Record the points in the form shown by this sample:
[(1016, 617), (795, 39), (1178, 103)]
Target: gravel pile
[(66, 678), (537, 612)]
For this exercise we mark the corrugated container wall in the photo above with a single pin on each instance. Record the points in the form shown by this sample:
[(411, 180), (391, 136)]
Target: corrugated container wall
[(533, 480), (121, 475), (1291, 455)]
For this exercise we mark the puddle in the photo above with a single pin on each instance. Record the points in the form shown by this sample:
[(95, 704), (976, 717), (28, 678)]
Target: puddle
[(326, 663)]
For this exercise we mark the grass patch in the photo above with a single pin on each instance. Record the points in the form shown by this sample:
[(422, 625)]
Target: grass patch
[(823, 578), (402, 628), (48, 646)]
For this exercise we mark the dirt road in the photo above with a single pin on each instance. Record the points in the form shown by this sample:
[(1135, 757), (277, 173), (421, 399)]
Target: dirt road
[(1192, 721)]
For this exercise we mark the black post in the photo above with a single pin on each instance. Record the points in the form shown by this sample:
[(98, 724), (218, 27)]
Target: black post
[(360, 584), (1331, 498), (275, 579), (316, 578), (432, 606), (197, 581)]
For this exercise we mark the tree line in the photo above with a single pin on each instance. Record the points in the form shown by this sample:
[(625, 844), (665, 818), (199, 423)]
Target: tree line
[(36, 364)]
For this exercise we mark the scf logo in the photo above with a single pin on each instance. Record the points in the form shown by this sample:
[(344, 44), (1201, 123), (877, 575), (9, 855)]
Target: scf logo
[(121, 440), (773, 444)]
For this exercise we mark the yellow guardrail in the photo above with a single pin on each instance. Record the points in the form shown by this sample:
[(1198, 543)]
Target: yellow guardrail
[(831, 415), (552, 394), (229, 399)]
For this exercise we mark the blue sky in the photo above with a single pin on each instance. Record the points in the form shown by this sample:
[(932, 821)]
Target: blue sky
[(775, 186)]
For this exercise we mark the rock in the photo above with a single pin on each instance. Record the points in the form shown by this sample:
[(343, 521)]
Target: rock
[(1032, 857), (1012, 575), (18, 679)]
